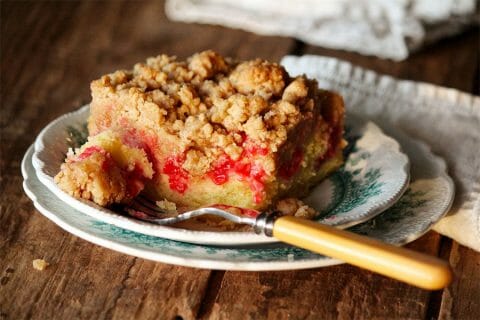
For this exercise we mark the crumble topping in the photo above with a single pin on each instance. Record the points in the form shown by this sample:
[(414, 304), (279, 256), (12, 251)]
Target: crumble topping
[(206, 64), (259, 77), (208, 100), (88, 179), (295, 207)]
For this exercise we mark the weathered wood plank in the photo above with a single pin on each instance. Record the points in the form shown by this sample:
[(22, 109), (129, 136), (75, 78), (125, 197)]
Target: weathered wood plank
[(337, 292), (47, 63), (86, 281), (462, 299), (83, 280)]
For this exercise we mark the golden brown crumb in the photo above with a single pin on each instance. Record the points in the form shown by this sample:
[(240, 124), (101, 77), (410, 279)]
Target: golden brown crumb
[(40, 264), (305, 212), (295, 91), (295, 207), (207, 63), (259, 77), (87, 179)]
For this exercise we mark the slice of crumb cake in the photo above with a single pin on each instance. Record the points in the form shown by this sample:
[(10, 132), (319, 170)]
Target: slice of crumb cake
[(208, 130), (105, 170)]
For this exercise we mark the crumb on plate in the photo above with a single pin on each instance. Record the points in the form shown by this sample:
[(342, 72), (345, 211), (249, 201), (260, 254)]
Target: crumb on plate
[(167, 205)]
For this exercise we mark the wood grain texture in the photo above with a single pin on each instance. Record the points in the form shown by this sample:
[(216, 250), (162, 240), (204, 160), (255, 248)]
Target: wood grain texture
[(462, 299), (338, 292), (50, 60), (50, 51)]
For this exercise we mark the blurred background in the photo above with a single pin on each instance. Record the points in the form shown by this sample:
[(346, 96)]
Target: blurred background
[(81, 40)]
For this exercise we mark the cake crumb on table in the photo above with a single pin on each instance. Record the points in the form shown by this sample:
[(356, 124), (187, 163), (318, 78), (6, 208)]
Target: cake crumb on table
[(40, 264)]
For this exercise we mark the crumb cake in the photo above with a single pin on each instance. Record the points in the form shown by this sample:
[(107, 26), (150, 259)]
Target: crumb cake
[(208, 130)]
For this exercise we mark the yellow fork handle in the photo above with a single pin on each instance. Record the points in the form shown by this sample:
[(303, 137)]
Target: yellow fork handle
[(412, 267)]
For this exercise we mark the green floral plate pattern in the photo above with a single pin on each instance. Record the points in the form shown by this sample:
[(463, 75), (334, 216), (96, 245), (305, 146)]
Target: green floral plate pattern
[(374, 176), (427, 199)]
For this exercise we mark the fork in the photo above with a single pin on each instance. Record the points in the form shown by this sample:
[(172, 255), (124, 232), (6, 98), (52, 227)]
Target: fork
[(399, 263)]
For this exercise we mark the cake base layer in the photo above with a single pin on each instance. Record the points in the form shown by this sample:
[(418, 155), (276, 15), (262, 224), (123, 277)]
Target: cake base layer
[(237, 193)]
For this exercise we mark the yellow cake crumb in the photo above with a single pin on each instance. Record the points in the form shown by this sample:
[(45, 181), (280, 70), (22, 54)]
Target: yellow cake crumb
[(167, 205), (40, 264)]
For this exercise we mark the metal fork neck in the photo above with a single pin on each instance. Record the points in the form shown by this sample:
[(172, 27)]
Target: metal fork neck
[(265, 221)]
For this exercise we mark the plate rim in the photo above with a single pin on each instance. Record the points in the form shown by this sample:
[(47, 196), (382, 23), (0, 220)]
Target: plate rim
[(207, 237), (194, 262)]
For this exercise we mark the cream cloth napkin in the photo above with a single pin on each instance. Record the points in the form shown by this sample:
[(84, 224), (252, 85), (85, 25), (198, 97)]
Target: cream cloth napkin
[(447, 119), (387, 29)]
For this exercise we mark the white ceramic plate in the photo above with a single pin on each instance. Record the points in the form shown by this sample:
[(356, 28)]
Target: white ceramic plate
[(427, 199), (375, 175)]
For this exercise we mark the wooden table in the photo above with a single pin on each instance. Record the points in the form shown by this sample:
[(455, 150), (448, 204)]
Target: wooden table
[(50, 51)]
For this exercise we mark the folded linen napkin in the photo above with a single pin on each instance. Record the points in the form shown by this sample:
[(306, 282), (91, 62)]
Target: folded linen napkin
[(387, 29), (446, 119)]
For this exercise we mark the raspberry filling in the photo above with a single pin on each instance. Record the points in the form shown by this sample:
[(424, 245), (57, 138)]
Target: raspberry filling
[(244, 168), (251, 149), (333, 142), (88, 152), (247, 171), (177, 176), (141, 140), (134, 178), (106, 164), (252, 173), (135, 181), (220, 171), (288, 169)]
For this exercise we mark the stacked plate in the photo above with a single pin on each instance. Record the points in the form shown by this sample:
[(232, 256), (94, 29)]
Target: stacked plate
[(391, 188)]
